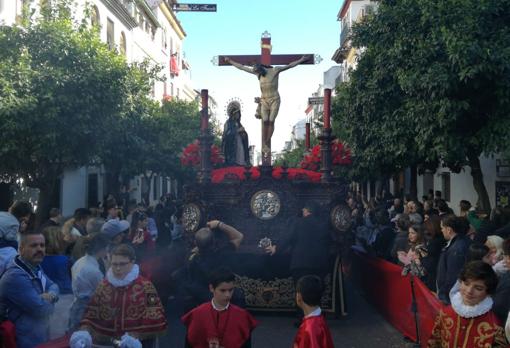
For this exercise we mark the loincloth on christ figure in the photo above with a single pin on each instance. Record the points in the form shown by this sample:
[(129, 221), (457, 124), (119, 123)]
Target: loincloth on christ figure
[(267, 108)]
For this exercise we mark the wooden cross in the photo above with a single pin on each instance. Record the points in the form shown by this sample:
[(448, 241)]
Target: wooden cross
[(266, 58)]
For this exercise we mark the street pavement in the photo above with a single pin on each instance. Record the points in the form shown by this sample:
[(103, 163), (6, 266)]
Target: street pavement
[(362, 327)]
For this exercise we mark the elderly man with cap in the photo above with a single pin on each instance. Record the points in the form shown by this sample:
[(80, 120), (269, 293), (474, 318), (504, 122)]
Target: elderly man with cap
[(8, 241), (309, 241), (117, 232), (10, 223)]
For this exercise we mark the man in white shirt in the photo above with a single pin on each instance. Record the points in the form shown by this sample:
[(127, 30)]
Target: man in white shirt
[(86, 276)]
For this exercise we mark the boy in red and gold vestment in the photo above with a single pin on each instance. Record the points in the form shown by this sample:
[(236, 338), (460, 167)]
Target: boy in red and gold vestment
[(219, 323), (125, 307), (313, 331), (469, 321)]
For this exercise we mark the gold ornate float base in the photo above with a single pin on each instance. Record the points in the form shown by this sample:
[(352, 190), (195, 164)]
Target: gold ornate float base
[(279, 294)]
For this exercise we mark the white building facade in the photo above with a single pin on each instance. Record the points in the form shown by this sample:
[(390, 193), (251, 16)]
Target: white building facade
[(351, 12)]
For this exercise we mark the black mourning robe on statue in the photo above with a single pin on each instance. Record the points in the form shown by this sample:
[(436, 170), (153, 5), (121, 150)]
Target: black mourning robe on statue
[(234, 144)]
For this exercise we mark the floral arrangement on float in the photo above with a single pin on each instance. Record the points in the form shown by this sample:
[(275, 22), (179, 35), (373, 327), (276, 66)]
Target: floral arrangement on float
[(240, 173), (341, 155), (190, 156), (310, 165)]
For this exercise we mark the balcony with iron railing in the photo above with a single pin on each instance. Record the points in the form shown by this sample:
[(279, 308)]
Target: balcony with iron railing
[(345, 33), (343, 49)]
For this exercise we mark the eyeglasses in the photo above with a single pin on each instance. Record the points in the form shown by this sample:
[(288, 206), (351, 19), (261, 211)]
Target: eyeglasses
[(120, 264)]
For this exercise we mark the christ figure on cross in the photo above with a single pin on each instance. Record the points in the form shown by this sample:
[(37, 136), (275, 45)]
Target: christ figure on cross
[(269, 103)]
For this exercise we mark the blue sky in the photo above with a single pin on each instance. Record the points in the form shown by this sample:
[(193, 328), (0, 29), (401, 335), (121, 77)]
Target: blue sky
[(296, 26)]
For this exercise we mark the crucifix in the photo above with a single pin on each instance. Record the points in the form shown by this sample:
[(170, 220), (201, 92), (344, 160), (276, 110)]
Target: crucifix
[(269, 101)]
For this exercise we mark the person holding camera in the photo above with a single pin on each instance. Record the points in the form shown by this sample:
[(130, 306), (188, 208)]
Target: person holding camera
[(211, 252), (139, 235)]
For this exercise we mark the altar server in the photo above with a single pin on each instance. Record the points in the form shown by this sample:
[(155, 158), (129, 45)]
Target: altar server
[(313, 331), (219, 323)]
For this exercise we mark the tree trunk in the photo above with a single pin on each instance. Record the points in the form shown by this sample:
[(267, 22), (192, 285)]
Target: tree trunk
[(483, 202), (112, 183), (44, 202), (6, 196), (146, 196), (413, 190)]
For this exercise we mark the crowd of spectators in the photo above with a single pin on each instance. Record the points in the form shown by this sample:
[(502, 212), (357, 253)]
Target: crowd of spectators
[(432, 243), (106, 249), (73, 257), (119, 262)]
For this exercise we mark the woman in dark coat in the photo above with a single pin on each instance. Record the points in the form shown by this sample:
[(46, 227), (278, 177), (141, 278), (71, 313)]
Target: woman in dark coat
[(434, 242)]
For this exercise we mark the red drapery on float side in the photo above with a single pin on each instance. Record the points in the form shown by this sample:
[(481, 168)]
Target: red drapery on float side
[(390, 293)]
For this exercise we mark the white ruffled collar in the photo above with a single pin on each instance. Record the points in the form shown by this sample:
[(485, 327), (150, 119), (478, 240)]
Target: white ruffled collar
[(128, 279), (466, 311), (219, 309)]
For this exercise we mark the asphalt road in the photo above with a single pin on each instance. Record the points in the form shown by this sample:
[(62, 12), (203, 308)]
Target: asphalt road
[(362, 327)]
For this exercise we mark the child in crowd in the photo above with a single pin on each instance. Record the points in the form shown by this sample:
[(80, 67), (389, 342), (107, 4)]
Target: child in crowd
[(314, 331), (124, 309), (219, 323), (469, 320)]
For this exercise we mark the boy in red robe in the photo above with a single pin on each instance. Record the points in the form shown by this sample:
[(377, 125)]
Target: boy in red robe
[(219, 323), (313, 331), (125, 307), (469, 321)]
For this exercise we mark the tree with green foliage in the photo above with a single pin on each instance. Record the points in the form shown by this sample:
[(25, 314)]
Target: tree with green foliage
[(292, 158), (180, 125), (128, 135), (432, 85), (175, 125), (60, 90)]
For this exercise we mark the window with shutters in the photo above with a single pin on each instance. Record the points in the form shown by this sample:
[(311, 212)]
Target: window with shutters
[(445, 186), (110, 34), (94, 17), (122, 45)]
